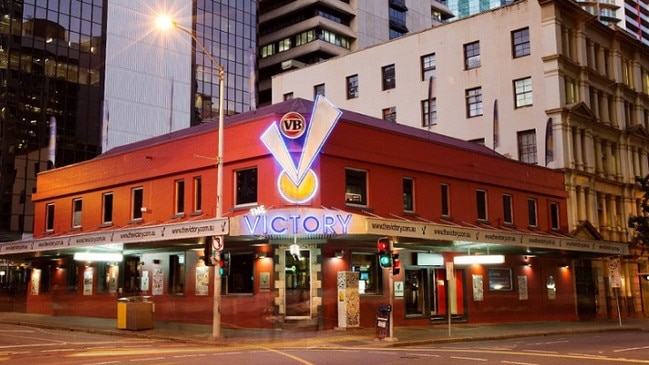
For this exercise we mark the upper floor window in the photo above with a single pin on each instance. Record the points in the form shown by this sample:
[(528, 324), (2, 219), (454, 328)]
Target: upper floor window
[(180, 196), (428, 113), (554, 215), (285, 44), (49, 217), (445, 200), (531, 212), (137, 201), (523, 92), (246, 186), (428, 67), (388, 77), (390, 114), (352, 87), (268, 50), (508, 214), (481, 204), (107, 205), (527, 146), (318, 90), (288, 96), (472, 55), (408, 194), (473, 102), (198, 194), (521, 42), (355, 186), (76, 212)]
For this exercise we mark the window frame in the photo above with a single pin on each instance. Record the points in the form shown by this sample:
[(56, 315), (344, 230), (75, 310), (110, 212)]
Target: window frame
[(390, 114), (318, 89), (351, 83), (374, 269), (527, 150), (523, 92), (238, 175), (521, 45), (425, 115), (408, 184), (179, 196), (555, 216), (474, 106), (445, 199), (428, 65), (472, 55), (137, 202), (239, 269), (532, 212), (77, 209), (107, 208), (351, 192), (481, 205), (197, 194), (508, 209), (49, 217), (388, 77)]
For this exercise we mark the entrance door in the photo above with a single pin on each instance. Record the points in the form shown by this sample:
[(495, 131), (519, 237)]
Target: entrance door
[(426, 293), (298, 284)]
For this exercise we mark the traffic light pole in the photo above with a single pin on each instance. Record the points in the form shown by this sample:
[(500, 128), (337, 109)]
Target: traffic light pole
[(391, 293)]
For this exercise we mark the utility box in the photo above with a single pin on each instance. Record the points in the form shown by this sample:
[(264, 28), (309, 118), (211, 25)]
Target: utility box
[(135, 313)]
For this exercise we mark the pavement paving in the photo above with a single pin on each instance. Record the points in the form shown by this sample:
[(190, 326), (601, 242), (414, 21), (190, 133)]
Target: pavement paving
[(350, 337)]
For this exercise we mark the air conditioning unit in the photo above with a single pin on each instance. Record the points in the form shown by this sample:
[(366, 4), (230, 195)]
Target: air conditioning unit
[(353, 198)]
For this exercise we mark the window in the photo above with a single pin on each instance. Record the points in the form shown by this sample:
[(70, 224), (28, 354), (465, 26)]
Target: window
[(246, 186), (137, 195), (318, 90), (355, 187), (305, 37), (390, 114), (481, 201), (428, 115), (527, 146), (268, 50), (446, 211), (352, 87), (180, 196), (288, 96), (284, 44), (107, 214), (473, 102), (523, 92), (49, 217), (508, 216), (198, 194), (370, 274), (241, 273), (408, 194), (521, 42), (472, 55), (554, 215), (531, 212), (428, 67), (76, 213), (388, 77)]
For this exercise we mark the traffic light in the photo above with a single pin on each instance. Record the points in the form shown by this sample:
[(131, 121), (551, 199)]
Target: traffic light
[(224, 264), (207, 251), (396, 264), (383, 247)]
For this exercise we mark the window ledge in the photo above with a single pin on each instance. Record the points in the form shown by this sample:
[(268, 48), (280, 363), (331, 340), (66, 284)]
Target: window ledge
[(196, 213), (178, 215)]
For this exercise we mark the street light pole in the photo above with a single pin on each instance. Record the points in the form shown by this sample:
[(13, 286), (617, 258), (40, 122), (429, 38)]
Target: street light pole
[(166, 23)]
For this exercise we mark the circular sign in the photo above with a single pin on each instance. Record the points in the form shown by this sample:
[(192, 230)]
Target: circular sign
[(217, 243), (292, 125), (612, 264)]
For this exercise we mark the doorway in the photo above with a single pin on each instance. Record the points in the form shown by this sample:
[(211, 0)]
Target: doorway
[(298, 284), (426, 293)]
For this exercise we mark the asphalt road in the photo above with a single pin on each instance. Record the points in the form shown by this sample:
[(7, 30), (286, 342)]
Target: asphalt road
[(20, 345)]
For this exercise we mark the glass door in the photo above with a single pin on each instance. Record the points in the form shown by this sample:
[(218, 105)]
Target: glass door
[(298, 284)]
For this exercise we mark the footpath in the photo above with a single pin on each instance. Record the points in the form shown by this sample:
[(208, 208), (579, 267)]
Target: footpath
[(357, 337)]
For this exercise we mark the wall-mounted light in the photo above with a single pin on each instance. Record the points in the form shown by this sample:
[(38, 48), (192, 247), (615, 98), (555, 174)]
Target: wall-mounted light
[(478, 259), (98, 256), (339, 254), (261, 255), (564, 266)]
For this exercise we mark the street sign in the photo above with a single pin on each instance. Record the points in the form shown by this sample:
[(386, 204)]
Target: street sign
[(614, 273)]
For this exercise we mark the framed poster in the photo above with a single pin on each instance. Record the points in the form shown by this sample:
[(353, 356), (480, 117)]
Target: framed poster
[(500, 279)]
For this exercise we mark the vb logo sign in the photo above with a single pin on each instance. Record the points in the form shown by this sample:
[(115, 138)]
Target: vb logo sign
[(297, 182)]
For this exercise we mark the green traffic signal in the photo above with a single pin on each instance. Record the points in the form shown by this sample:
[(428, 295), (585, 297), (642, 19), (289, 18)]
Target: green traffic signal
[(385, 261)]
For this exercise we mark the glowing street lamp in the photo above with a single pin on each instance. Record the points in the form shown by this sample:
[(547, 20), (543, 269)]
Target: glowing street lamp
[(165, 22)]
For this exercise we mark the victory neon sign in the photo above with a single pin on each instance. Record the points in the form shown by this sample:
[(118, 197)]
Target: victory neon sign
[(297, 182)]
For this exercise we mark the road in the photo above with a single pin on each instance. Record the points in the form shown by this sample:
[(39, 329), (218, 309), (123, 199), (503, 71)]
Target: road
[(20, 345)]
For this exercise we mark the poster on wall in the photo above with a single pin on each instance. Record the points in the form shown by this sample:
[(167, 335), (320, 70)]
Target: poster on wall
[(158, 282), (522, 287), (264, 281), (88, 281), (202, 280), (144, 281), (478, 289), (36, 281)]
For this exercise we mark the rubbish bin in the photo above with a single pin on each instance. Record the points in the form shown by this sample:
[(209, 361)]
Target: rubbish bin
[(383, 322), (135, 313)]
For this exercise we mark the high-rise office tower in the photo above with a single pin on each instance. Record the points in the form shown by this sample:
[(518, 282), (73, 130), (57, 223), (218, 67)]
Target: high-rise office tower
[(464, 8), (632, 15), (294, 33), (80, 77)]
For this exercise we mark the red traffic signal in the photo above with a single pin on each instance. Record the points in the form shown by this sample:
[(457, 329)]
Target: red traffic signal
[(383, 247), (396, 264)]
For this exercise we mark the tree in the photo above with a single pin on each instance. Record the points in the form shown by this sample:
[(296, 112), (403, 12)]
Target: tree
[(640, 224)]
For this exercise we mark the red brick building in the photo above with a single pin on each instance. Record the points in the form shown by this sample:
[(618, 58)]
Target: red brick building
[(307, 193)]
